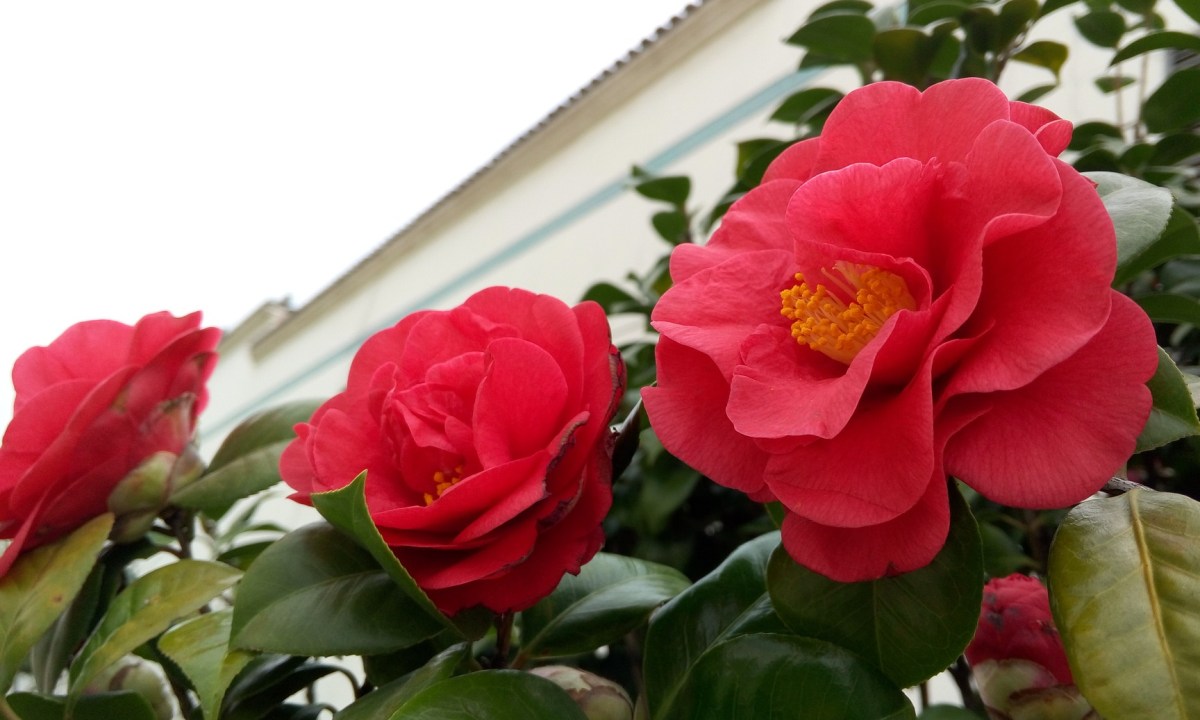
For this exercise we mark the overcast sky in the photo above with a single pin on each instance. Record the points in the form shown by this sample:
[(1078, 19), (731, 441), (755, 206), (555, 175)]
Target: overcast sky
[(210, 156)]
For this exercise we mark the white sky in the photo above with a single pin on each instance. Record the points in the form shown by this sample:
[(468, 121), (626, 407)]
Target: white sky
[(210, 156)]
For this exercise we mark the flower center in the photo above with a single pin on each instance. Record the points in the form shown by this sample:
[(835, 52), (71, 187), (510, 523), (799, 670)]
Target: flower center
[(824, 321), (442, 482)]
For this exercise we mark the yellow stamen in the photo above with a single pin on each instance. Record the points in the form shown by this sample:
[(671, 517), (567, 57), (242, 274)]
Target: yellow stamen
[(823, 321), (443, 482)]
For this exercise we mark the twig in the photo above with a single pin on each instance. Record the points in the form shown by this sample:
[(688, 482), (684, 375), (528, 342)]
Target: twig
[(504, 626), (1120, 486), (962, 677), (6, 711)]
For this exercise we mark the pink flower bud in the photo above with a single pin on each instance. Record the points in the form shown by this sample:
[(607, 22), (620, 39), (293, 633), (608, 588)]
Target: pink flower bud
[(599, 698)]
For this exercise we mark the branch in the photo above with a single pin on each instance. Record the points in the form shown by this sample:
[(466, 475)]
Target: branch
[(1120, 486)]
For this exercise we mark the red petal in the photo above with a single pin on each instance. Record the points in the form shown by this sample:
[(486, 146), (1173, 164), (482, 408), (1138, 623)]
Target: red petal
[(520, 405), (1057, 440)]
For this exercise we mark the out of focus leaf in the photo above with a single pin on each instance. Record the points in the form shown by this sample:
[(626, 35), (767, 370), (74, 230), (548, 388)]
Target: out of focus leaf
[(1171, 308), (611, 595), (802, 106), (1044, 53), (773, 677), (1101, 27), (911, 626), (1093, 133), (125, 705), (1161, 40), (247, 461), (200, 648), (316, 592), (1036, 93), (1112, 83), (1175, 104), (1173, 415), (670, 189), (842, 37), (39, 586), (146, 608), (904, 54), (1191, 7), (491, 695), (1124, 575), (671, 225)]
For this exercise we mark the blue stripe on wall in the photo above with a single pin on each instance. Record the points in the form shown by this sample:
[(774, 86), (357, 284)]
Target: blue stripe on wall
[(660, 162)]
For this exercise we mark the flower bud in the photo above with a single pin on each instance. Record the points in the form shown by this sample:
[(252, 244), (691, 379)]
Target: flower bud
[(1017, 657), (597, 697), (136, 675), (143, 493)]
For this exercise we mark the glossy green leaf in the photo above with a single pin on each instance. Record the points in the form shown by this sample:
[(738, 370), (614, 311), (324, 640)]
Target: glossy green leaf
[(1139, 212), (1178, 148), (39, 586), (200, 648), (1090, 134), (1161, 40), (1036, 93), (266, 683), (1175, 104), (1101, 27), (781, 677), (911, 626), (1173, 415), (104, 706), (730, 601), (316, 592), (1171, 308), (1045, 54), (671, 189), (491, 695), (52, 653), (861, 7), (612, 595), (247, 461), (1180, 237), (145, 609), (388, 699), (1124, 575), (842, 37), (613, 299), (802, 106)]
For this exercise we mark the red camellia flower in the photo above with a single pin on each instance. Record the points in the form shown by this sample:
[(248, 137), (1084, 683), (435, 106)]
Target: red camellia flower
[(921, 291), (89, 409), (484, 434)]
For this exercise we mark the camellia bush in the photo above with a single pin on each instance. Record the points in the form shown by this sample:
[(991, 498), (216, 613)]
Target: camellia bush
[(915, 396)]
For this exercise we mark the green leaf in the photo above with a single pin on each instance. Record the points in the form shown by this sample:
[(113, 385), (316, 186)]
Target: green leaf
[(346, 509), (491, 695), (1051, 5), (1173, 415), (1101, 27), (316, 592), (1045, 54), (931, 12), (266, 683), (1112, 83), (1171, 308), (126, 705), (1013, 20), (911, 626), (671, 225), (146, 608), (1180, 237), (1175, 104), (52, 653), (861, 7), (803, 106), (1191, 7), (1139, 212), (904, 54), (613, 299), (1093, 133), (1124, 578), (1036, 93), (1161, 40), (39, 586), (388, 699), (779, 677), (730, 601), (611, 595), (247, 461), (842, 37), (200, 648), (671, 189), (947, 712)]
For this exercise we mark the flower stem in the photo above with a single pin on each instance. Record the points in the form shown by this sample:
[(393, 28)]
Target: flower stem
[(504, 626), (6, 711)]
